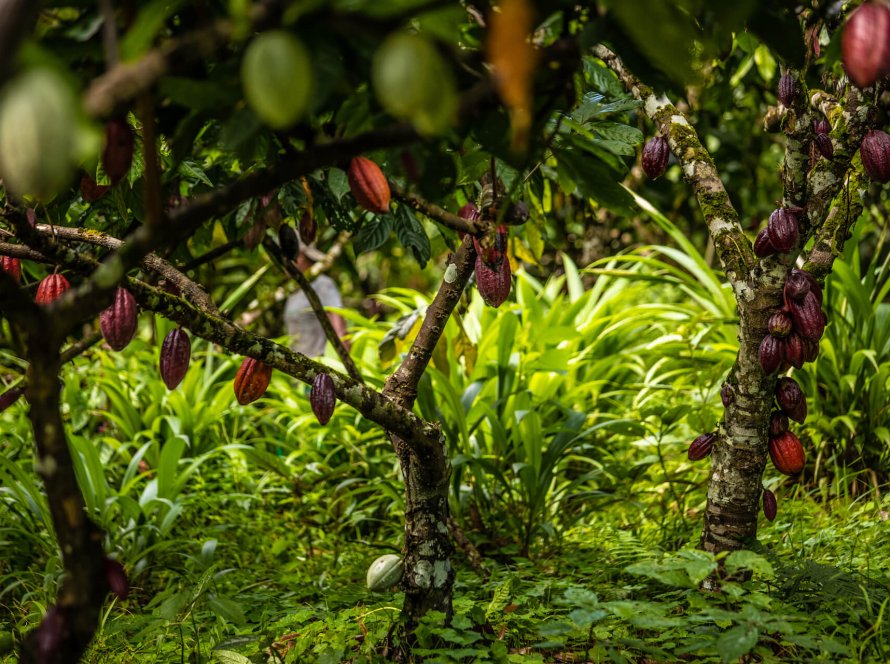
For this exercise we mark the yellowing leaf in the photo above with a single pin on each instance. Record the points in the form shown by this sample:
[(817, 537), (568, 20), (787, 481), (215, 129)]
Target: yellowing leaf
[(513, 59)]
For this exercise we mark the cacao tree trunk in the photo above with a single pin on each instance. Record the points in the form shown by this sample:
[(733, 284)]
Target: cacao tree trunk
[(429, 576), (739, 456)]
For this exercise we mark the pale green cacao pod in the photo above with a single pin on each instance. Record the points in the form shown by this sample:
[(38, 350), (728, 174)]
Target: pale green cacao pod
[(38, 134), (384, 573)]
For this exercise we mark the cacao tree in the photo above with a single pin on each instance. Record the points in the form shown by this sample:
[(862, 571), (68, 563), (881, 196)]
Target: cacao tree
[(171, 124)]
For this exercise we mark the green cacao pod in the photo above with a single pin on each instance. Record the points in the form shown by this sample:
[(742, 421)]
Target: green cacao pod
[(384, 573), (38, 134), (276, 74)]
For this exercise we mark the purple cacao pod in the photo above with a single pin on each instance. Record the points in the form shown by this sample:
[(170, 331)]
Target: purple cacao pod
[(865, 49), (778, 423), (787, 89), (814, 284), (875, 152), (118, 153), (50, 633), (796, 287), (656, 153), (771, 354), (494, 284), (793, 348), (176, 351), (701, 446), (770, 506), (287, 240), (9, 397), (791, 399), (783, 229), (517, 213), (727, 394), (117, 578), (824, 145), (809, 321), (308, 227), (811, 349), (821, 126), (780, 324), (762, 246), (323, 397), (119, 321)]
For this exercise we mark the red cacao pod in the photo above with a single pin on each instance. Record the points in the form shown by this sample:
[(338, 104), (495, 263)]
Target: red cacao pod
[(824, 145), (787, 90), (12, 267), (770, 506), (287, 240), (494, 283), (323, 397), (791, 399), (875, 152), (90, 191), (176, 352), (251, 380), (787, 453), (727, 394), (410, 166), (118, 153), (793, 347), (821, 126), (119, 321), (783, 229), (865, 47), (656, 153), (780, 324), (796, 287), (117, 578), (809, 321), (771, 354), (368, 185), (51, 288), (778, 423), (762, 246), (701, 446), (308, 227)]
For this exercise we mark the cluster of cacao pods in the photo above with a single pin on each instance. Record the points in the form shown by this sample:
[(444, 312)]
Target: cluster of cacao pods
[(795, 329), (781, 233), (865, 49), (655, 157)]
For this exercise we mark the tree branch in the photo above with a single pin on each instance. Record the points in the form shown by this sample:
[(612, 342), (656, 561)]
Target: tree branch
[(317, 308), (402, 384), (370, 403), (732, 246), (832, 235), (436, 213)]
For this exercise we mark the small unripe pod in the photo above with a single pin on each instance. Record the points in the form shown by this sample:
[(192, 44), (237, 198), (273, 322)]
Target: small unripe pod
[(701, 446), (770, 506), (656, 154)]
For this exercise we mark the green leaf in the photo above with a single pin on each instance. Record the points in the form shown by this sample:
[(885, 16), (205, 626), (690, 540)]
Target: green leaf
[(412, 235), (736, 642), (373, 233), (230, 657)]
